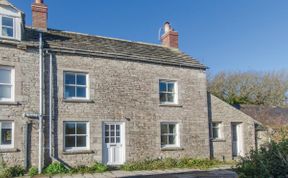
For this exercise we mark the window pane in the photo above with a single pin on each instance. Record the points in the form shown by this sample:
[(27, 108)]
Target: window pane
[(69, 91), (170, 97), (112, 140), (106, 133), (5, 76), (81, 141), (118, 140), (172, 139), (70, 141), (81, 92), (6, 21), (7, 31), (164, 140), (81, 128), (163, 97), (106, 139), (70, 128), (112, 133), (164, 129), (215, 133), (6, 125), (5, 92), (172, 128), (162, 86), (81, 79), (69, 79), (171, 87), (117, 133), (6, 136), (106, 128)]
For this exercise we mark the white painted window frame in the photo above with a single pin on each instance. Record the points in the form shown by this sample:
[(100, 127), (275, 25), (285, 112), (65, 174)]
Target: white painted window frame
[(175, 93), (87, 86), (11, 146), (12, 84), (219, 129), (75, 135), (177, 135), (1, 27)]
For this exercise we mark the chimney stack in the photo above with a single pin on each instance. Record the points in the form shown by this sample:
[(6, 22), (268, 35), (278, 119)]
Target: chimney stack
[(170, 37), (39, 15)]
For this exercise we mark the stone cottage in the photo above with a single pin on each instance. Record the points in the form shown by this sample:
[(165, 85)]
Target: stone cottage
[(78, 98)]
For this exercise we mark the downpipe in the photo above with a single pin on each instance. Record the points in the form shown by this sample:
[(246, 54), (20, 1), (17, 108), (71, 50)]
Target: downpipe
[(40, 151)]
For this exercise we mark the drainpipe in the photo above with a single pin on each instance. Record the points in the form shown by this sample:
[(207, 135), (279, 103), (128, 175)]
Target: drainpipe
[(50, 105), (40, 156), (25, 145)]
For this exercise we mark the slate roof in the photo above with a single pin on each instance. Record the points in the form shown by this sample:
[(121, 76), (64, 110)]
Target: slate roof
[(112, 48), (268, 115)]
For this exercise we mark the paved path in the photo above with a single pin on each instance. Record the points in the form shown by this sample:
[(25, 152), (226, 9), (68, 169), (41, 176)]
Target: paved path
[(174, 173)]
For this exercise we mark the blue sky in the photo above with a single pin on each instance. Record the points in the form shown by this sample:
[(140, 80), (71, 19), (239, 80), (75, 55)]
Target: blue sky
[(225, 35)]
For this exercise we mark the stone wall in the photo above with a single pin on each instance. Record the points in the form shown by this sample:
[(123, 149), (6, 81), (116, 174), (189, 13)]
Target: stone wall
[(25, 64), (119, 91), (221, 112), (129, 92)]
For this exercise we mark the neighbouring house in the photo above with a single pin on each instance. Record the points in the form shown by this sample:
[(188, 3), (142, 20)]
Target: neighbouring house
[(78, 98)]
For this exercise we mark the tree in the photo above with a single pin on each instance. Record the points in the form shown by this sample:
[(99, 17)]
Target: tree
[(260, 88)]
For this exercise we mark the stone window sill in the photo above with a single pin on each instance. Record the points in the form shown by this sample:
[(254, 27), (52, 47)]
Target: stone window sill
[(172, 149), (218, 140), (10, 103), (77, 101), (77, 152), (171, 105), (8, 150)]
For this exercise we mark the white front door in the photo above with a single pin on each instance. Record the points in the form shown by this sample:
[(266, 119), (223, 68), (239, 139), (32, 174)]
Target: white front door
[(113, 143), (237, 142)]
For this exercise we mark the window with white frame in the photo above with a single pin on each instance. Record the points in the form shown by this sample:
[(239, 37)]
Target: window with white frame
[(75, 85), (216, 130), (76, 135), (169, 135), (7, 134), (168, 92), (7, 27), (6, 84)]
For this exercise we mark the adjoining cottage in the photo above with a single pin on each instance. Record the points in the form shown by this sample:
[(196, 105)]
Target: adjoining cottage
[(79, 98)]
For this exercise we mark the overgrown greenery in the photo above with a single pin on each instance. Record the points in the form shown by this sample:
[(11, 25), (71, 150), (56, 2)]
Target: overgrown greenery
[(58, 168), (169, 163), (9, 172), (33, 171), (269, 161), (257, 88)]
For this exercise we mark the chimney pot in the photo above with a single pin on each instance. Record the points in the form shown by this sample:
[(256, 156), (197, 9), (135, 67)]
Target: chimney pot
[(39, 15), (39, 1), (170, 37)]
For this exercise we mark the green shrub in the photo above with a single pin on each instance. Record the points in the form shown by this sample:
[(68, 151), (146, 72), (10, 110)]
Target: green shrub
[(169, 163), (99, 167), (269, 161), (5, 173), (56, 168), (16, 171), (33, 171)]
